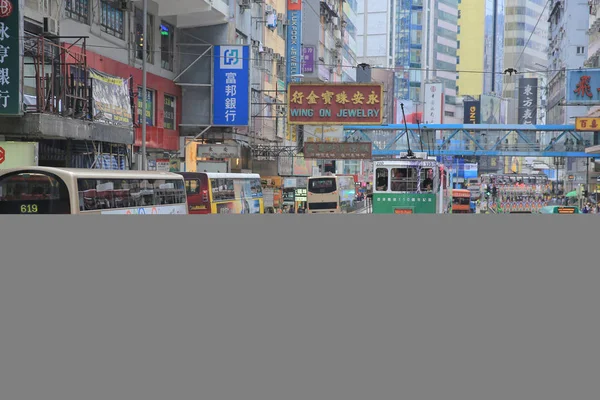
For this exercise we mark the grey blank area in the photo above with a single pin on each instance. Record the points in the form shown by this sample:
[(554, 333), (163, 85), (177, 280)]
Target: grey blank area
[(298, 307)]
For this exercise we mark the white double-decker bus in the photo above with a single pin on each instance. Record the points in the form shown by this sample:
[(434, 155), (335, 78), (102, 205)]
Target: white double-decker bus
[(323, 195), (48, 190)]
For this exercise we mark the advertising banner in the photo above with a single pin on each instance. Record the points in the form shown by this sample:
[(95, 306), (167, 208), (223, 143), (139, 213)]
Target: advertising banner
[(490, 109), (335, 104), (111, 99)]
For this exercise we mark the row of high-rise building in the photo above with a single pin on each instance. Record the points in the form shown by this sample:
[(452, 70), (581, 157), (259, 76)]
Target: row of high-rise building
[(468, 46)]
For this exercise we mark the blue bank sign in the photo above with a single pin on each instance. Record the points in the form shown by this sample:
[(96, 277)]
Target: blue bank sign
[(231, 86), (583, 86)]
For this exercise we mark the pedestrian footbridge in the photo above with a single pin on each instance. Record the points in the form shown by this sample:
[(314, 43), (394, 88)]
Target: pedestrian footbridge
[(474, 140)]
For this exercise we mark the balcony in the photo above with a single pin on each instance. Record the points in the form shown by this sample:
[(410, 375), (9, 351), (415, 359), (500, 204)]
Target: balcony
[(195, 13), (57, 95)]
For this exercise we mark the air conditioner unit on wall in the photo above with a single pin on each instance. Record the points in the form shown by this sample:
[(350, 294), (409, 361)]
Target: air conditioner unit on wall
[(50, 26)]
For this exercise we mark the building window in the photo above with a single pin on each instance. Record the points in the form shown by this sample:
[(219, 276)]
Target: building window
[(458, 44), (78, 10), (139, 36), (167, 45), (580, 50), (111, 20), (169, 112), (149, 106)]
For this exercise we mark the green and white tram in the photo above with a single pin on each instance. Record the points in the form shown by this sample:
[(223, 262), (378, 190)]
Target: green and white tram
[(410, 186)]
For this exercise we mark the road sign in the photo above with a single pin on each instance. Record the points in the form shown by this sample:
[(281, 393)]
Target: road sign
[(2, 155)]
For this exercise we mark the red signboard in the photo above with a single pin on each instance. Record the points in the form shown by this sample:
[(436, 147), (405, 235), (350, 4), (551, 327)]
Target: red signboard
[(2, 155), (335, 104), (403, 211), (294, 5)]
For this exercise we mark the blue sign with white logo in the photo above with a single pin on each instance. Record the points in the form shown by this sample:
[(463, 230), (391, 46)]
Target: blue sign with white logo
[(231, 85), (294, 45)]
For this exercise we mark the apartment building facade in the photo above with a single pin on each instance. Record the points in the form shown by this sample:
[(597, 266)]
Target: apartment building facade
[(525, 46), (426, 51), (567, 50), (375, 28)]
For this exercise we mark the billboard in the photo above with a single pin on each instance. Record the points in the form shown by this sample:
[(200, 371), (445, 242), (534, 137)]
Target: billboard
[(111, 99), (11, 50), (490, 109), (335, 104), (433, 103), (294, 40), (472, 110), (583, 86), (528, 95), (231, 85), (339, 151)]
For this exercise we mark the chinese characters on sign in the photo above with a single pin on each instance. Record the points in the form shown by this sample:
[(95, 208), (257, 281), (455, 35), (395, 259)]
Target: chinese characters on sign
[(294, 39), (308, 59), (528, 93), (338, 151), (231, 105), (433, 104), (10, 58), (335, 104), (587, 124), (583, 86)]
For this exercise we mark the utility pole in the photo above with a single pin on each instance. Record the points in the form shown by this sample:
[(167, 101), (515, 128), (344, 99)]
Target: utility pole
[(494, 41), (144, 84)]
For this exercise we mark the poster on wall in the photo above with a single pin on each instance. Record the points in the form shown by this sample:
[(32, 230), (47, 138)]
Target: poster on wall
[(111, 99)]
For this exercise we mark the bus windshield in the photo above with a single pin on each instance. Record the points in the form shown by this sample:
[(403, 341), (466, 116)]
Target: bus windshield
[(464, 201), (33, 192), (322, 185)]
